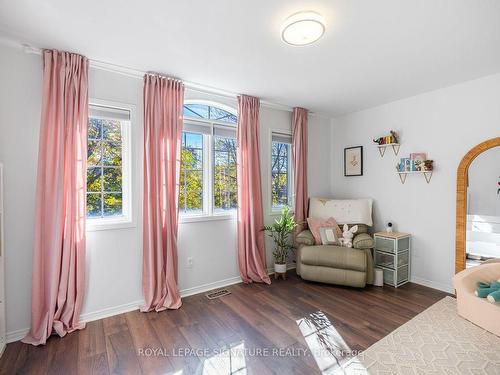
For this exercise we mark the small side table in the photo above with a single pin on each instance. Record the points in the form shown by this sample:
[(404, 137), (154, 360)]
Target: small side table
[(393, 255)]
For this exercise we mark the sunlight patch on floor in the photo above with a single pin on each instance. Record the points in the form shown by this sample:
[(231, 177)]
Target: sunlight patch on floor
[(230, 361), (325, 343)]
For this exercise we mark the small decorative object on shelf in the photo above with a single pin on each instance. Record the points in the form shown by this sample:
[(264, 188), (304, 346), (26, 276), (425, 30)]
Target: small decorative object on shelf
[(417, 163), (392, 254), (389, 140), (388, 228), (428, 165)]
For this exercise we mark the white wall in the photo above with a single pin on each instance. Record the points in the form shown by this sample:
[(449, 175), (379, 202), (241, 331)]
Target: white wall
[(114, 257), (20, 89), (445, 124), (484, 176)]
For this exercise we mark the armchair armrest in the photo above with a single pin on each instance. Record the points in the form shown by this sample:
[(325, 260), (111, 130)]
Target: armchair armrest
[(467, 279), (305, 238), (363, 241)]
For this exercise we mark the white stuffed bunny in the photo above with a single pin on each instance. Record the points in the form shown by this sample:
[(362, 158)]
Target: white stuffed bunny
[(348, 235)]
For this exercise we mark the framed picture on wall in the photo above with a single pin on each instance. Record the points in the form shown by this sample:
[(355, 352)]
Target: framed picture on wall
[(353, 161)]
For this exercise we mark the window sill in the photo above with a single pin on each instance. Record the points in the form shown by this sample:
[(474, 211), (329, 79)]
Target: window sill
[(94, 225), (202, 218), (278, 212)]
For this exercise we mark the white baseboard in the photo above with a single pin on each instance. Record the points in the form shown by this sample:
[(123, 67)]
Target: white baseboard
[(127, 307), (111, 311), (87, 317), (16, 335), (432, 284), (209, 286)]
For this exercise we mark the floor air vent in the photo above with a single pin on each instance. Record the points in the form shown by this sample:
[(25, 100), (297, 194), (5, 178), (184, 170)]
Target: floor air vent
[(217, 293)]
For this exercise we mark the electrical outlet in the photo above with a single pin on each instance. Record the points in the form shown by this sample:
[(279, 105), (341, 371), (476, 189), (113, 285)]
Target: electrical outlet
[(190, 262)]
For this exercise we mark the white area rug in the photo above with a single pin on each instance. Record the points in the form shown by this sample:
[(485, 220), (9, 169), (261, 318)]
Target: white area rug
[(437, 341)]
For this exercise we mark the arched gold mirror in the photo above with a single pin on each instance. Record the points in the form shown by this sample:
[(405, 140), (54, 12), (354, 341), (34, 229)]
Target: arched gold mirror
[(462, 200)]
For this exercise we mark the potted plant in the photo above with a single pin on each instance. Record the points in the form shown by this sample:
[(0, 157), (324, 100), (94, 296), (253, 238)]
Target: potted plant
[(280, 232)]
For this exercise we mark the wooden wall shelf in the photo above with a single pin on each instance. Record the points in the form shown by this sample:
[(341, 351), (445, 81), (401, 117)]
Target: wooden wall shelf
[(382, 148), (403, 175)]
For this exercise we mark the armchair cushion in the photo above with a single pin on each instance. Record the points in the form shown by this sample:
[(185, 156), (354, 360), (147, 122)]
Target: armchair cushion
[(305, 238), (334, 257), (363, 241)]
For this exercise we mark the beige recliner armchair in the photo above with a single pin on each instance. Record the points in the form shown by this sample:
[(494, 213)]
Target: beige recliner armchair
[(335, 264), (478, 310)]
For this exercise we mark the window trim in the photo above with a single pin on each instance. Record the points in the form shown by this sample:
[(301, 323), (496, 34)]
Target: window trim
[(128, 220), (275, 211), (208, 213)]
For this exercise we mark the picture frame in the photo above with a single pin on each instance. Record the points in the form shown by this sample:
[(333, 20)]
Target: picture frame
[(353, 161)]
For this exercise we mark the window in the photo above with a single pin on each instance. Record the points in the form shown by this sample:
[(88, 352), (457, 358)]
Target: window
[(225, 183), (208, 185), (191, 179), (108, 196), (208, 112), (281, 171)]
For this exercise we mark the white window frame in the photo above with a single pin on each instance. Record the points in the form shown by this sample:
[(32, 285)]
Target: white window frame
[(127, 220), (275, 211), (208, 212)]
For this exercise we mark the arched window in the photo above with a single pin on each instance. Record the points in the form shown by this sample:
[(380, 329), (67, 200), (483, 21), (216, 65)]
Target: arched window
[(208, 185), (208, 112)]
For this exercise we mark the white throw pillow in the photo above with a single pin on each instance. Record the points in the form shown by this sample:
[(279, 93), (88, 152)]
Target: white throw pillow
[(345, 211)]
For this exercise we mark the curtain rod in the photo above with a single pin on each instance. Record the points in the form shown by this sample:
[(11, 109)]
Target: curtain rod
[(135, 73)]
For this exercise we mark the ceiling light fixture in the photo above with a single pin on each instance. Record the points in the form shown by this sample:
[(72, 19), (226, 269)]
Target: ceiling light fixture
[(303, 28)]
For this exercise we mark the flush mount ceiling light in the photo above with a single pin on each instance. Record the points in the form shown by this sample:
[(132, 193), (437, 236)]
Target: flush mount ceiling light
[(303, 28)]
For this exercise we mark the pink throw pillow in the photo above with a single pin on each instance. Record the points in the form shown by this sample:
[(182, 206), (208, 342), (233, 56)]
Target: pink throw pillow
[(315, 223)]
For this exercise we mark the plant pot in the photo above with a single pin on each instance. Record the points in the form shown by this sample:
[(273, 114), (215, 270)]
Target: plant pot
[(280, 268)]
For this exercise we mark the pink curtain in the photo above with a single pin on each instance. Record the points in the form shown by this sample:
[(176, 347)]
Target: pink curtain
[(59, 249), (251, 245), (163, 103), (299, 150)]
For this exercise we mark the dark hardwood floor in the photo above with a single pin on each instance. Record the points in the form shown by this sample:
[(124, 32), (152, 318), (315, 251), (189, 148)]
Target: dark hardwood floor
[(290, 327)]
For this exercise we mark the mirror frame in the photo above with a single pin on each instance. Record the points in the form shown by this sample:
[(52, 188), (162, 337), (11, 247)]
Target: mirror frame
[(462, 184)]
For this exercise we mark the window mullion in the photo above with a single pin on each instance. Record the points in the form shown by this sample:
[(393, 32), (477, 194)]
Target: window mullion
[(227, 179), (101, 163), (185, 190), (101, 145), (210, 146), (291, 200), (102, 190)]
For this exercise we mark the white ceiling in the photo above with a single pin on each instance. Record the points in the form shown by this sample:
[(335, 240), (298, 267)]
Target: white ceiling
[(373, 52)]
